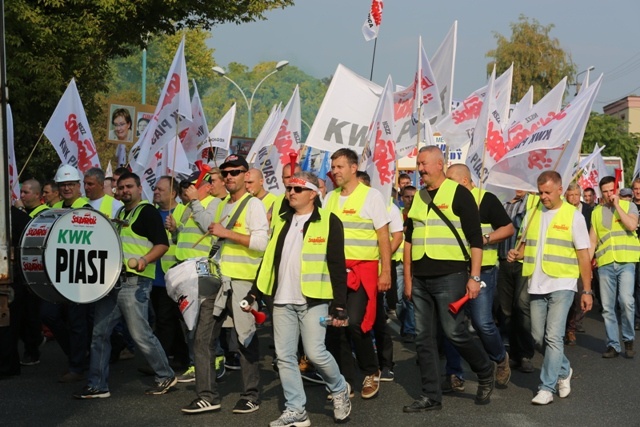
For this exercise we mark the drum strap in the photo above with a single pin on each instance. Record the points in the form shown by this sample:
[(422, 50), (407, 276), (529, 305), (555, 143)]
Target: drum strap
[(216, 246)]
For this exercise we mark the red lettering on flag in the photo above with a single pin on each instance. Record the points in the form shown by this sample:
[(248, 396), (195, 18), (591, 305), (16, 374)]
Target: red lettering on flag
[(538, 159), (86, 150), (383, 157), (470, 110), (284, 142), (172, 89)]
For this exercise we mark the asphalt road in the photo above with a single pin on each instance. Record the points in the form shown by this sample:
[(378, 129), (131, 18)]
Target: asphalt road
[(604, 391)]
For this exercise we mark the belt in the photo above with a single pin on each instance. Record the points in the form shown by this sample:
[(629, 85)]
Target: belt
[(127, 274)]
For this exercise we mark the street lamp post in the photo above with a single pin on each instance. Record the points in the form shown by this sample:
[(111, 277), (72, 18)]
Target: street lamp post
[(578, 84), (221, 72)]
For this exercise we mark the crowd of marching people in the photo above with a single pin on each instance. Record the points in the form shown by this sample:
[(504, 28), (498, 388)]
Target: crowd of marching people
[(447, 259)]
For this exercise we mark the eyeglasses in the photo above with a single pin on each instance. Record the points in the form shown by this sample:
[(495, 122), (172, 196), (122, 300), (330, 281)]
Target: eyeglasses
[(67, 184), (235, 172), (297, 190)]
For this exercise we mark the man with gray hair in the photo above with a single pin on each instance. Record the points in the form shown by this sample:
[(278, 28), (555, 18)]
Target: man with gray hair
[(98, 199)]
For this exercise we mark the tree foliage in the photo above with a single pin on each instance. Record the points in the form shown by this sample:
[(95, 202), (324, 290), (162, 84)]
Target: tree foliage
[(538, 59), (276, 89), (50, 41), (612, 132)]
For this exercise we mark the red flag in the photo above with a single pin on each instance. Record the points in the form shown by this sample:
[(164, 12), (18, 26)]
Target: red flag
[(372, 23)]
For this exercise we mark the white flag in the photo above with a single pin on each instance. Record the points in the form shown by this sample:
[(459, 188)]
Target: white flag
[(13, 167), (636, 169), (443, 65), (374, 19), (520, 111), (267, 134), (109, 172), (457, 127), (219, 138), (379, 154), (541, 114), (592, 169), (68, 130), (273, 159), (541, 150), (173, 106), (585, 82), (427, 95), (481, 155), (197, 131)]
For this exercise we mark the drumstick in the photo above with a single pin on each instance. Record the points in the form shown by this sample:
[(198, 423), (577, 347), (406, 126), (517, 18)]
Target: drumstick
[(132, 263), (201, 239)]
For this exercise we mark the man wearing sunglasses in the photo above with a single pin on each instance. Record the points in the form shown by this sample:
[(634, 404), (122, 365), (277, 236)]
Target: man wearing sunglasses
[(240, 254), (363, 212), (303, 271)]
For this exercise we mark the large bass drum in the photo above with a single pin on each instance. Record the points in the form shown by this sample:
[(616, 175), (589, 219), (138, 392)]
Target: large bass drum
[(71, 255)]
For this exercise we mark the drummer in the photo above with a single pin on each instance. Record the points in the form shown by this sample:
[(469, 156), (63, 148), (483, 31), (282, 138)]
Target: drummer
[(73, 334), (144, 241)]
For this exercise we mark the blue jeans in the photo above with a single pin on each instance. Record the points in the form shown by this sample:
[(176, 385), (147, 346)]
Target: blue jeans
[(618, 279), (431, 297), (290, 322), (548, 322), (480, 311), (130, 301), (404, 309)]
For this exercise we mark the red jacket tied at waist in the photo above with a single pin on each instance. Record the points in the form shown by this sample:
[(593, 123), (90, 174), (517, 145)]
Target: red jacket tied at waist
[(365, 273)]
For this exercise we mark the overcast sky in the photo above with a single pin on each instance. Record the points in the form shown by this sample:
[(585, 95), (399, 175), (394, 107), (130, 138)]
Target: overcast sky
[(317, 35)]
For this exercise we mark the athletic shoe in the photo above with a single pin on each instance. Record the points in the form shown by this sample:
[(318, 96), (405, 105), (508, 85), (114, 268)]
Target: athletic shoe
[(564, 385), (526, 366), (163, 386), (220, 368), (543, 397), (370, 386), (200, 405), (342, 404), (291, 418), (452, 383), (188, 376), (246, 406), (233, 363), (92, 393), (386, 374), (330, 396), (503, 373)]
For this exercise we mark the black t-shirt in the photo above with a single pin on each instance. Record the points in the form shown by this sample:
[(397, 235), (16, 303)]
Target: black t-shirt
[(464, 206), (149, 224), (492, 212)]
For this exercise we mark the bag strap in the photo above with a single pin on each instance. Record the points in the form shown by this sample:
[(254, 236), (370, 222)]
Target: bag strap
[(232, 221), (426, 198)]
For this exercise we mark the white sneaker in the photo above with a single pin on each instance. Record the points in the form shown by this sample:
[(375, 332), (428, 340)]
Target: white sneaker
[(543, 397), (564, 385)]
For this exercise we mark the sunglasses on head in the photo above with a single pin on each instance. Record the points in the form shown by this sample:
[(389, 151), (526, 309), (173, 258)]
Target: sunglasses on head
[(297, 190), (232, 173)]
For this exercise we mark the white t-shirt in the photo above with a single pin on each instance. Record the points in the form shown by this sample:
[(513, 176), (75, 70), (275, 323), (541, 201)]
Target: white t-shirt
[(289, 290), (117, 204), (540, 282), (396, 223), (374, 208)]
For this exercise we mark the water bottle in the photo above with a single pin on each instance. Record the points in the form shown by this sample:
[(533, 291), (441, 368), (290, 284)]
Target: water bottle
[(328, 320)]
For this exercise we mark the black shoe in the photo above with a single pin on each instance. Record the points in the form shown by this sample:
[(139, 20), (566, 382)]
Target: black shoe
[(92, 393), (232, 362), (486, 386), (162, 387), (610, 353), (147, 370), (409, 338), (423, 404), (200, 405), (246, 406)]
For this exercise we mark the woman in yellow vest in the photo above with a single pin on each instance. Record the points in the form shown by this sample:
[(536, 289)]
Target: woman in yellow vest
[(303, 270)]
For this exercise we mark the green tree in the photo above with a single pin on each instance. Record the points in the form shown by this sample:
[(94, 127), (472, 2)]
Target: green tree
[(612, 132), (538, 59), (50, 41)]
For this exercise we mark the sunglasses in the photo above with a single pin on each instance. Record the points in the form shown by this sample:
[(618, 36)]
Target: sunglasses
[(232, 173), (297, 190)]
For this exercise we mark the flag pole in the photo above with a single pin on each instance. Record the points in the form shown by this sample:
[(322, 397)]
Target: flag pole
[(373, 59), (535, 209), (29, 158), (484, 152)]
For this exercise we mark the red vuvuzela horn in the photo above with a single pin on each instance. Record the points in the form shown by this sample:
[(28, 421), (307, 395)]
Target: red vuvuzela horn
[(455, 307), (257, 315)]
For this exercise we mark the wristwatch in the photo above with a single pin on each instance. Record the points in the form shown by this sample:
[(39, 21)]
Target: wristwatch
[(486, 236), (476, 278)]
